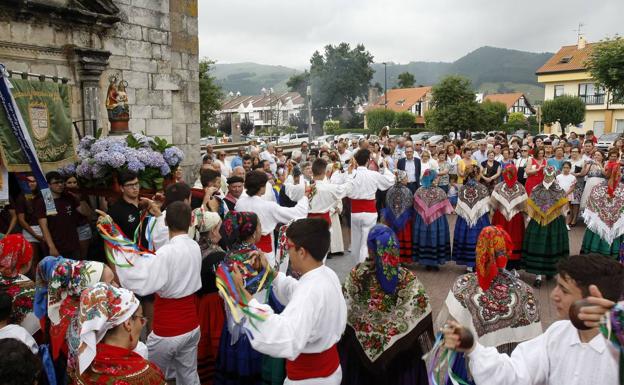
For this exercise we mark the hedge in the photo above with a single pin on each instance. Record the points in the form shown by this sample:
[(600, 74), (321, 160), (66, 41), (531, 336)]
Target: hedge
[(393, 131)]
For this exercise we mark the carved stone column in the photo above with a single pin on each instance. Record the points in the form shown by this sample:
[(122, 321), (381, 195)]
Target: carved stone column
[(91, 63)]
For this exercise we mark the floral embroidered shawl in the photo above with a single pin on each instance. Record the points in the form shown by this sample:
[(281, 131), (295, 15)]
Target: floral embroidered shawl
[(398, 210), (472, 201), (546, 203), (388, 306), (431, 203), (509, 197), (604, 214)]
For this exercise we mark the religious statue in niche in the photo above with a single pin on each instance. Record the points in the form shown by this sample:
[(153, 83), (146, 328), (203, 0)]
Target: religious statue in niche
[(117, 105)]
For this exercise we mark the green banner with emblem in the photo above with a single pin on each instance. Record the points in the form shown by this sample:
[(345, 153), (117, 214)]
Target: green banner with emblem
[(45, 108)]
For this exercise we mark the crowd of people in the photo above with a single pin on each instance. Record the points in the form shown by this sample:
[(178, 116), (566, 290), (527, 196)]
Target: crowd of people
[(224, 280)]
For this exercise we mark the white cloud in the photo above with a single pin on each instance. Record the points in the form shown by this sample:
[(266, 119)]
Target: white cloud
[(287, 32)]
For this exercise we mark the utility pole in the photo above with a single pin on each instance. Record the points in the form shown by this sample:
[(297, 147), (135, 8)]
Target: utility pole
[(309, 96), (385, 85)]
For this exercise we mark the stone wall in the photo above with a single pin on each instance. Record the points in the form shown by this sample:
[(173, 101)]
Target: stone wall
[(153, 46)]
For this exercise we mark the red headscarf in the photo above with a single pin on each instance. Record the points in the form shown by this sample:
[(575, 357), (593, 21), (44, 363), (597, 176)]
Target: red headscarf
[(15, 253), (510, 175), (494, 248), (613, 170)]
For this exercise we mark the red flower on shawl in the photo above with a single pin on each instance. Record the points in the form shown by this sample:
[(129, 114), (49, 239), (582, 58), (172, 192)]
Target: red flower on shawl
[(493, 250)]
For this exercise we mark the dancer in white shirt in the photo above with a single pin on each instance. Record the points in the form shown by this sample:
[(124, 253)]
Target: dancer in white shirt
[(315, 316), (269, 213), (363, 209), (173, 274), (563, 354)]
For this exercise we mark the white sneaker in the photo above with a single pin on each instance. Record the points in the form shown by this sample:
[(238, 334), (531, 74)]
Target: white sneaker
[(469, 269)]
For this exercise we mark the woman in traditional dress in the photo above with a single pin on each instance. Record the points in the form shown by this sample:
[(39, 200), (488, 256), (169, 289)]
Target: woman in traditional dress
[(499, 309), (57, 297), (110, 321), (237, 362), (579, 170), (431, 235), (509, 200), (398, 215), (546, 237), (209, 304), (15, 259), (604, 216), (389, 324), (473, 210), (595, 176), (535, 170)]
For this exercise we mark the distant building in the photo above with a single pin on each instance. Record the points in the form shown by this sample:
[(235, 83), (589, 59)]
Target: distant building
[(565, 74), (415, 100), (265, 110), (515, 102)]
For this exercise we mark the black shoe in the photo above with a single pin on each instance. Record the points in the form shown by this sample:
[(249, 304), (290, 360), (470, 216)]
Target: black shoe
[(538, 283), (428, 268)]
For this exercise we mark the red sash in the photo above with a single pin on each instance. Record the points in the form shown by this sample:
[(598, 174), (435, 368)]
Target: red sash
[(325, 216), (313, 365), (175, 316), (265, 243), (363, 206)]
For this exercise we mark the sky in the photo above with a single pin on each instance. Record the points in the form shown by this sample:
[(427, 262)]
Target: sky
[(287, 32)]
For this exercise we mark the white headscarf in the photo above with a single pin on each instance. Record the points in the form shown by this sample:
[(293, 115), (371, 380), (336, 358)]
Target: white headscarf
[(102, 307)]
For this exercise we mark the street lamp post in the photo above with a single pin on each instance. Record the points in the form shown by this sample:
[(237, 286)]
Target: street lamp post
[(385, 85), (309, 95)]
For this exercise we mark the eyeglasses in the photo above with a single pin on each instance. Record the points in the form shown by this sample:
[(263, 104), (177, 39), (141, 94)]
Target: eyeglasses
[(142, 318), (131, 185)]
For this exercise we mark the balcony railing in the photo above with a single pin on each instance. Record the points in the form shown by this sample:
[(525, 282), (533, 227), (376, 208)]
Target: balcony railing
[(592, 99)]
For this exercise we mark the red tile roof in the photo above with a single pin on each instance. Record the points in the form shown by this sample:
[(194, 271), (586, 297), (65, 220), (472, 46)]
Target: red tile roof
[(573, 60), (401, 99), (507, 99)]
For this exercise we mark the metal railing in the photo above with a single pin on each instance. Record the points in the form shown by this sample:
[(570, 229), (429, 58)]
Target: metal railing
[(592, 99)]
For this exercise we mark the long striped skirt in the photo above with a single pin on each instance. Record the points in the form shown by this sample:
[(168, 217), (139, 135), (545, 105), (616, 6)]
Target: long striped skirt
[(592, 243), (432, 242), (544, 246), (465, 240)]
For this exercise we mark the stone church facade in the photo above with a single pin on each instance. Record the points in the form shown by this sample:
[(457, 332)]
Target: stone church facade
[(151, 44)]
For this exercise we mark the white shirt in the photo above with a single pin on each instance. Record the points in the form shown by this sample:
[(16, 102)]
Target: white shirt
[(452, 161), (313, 321), (328, 194), (270, 213), (173, 272), (430, 165), (410, 169), (225, 168), (19, 333), (345, 156), (557, 357), (367, 182), (160, 231), (479, 156)]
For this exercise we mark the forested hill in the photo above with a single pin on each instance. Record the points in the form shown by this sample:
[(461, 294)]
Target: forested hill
[(490, 69)]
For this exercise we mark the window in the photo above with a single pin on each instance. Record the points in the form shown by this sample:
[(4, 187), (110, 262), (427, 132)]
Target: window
[(590, 93), (598, 127), (619, 125), (558, 91), (565, 59)]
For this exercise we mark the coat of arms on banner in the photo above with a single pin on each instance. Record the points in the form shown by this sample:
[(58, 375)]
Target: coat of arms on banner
[(39, 120)]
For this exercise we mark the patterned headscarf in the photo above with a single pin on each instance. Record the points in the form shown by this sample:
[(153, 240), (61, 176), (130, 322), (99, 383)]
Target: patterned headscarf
[(70, 278), (102, 307), (15, 253), (550, 173), (614, 172), (428, 178), (510, 175), (400, 175), (383, 249), (43, 276), (238, 226), (494, 248)]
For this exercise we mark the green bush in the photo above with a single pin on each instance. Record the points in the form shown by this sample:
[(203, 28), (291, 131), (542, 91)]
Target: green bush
[(378, 118), (404, 119), (516, 117), (331, 126)]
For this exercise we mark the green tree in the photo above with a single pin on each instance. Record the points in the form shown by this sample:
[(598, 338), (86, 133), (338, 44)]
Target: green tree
[(516, 117), (339, 78), (246, 126), (454, 106), (606, 65), (210, 96), (299, 83), (406, 80), (565, 109), (225, 125), (330, 127), (404, 119), (492, 115), (377, 118)]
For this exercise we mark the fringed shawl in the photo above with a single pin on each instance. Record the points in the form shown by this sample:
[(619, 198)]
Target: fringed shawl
[(546, 203), (398, 210), (472, 202), (604, 214), (431, 203), (509, 200)]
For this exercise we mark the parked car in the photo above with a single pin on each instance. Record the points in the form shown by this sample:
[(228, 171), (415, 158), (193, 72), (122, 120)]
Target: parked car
[(478, 135), (323, 139), (437, 139), (607, 141), (422, 136), (207, 140), (292, 139)]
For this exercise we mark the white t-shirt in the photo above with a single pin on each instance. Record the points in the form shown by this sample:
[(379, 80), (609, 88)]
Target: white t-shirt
[(566, 181), (19, 333)]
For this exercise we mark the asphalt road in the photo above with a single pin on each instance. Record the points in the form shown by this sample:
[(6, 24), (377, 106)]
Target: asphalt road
[(439, 283)]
